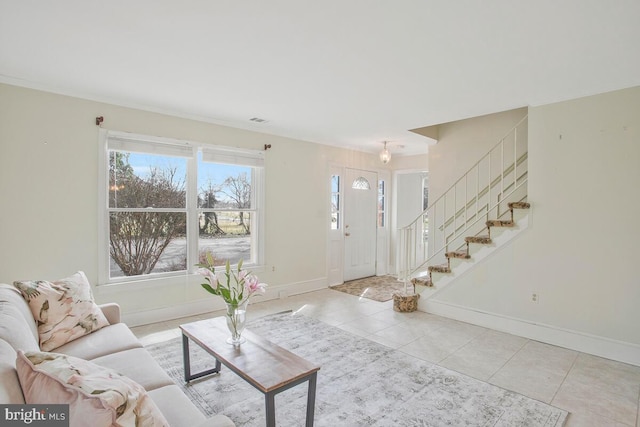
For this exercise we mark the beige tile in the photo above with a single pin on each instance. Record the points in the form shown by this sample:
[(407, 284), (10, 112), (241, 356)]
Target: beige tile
[(436, 345), (354, 329), (537, 370), (389, 316), (367, 324), (385, 341), (430, 322), (484, 355), (397, 334), (460, 329), (426, 349), (582, 394), (615, 377), (591, 420), (340, 316)]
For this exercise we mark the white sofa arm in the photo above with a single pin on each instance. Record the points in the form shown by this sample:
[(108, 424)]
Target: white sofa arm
[(111, 311)]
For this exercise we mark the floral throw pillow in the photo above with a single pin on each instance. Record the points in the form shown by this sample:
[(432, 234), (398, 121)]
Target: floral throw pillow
[(96, 395), (64, 310)]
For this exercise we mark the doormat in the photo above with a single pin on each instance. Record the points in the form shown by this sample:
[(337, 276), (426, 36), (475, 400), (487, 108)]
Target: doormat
[(377, 288)]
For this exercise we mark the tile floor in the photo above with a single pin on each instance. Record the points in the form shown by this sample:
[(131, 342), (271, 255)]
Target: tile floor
[(596, 391)]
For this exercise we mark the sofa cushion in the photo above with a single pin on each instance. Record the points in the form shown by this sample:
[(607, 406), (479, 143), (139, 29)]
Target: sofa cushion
[(14, 329), (10, 390), (93, 392), (137, 364), (64, 309), (17, 326), (110, 339)]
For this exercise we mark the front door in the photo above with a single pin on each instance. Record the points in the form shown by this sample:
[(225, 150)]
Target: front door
[(360, 226)]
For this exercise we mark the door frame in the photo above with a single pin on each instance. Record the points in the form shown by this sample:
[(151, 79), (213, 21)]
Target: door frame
[(393, 238), (335, 238)]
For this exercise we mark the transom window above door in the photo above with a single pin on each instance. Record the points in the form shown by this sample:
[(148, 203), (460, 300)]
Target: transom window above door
[(361, 183)]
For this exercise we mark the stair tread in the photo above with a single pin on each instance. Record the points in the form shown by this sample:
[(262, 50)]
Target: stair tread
[(458, 254), (422, 281), (486, 240), (519, 205), (500, 223), (441, 268)]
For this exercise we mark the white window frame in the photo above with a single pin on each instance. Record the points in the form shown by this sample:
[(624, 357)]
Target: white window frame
[(385, 203), (109, 139)]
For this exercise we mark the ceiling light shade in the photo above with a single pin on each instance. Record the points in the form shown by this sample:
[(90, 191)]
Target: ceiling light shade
[(385, 154)]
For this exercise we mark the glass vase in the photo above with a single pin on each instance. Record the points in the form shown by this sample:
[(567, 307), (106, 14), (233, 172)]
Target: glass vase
[(236, 318)]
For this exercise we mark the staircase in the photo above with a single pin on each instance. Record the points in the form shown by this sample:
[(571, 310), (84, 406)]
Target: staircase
[(464, 254), (484, 198)]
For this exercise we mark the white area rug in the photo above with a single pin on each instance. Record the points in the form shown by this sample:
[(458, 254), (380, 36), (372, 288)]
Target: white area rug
[(361, 383)]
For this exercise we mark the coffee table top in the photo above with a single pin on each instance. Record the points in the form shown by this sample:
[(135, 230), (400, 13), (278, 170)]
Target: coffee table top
[(265, 365)]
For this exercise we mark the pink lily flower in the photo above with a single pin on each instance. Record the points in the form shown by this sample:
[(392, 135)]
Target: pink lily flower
[(209, 275), (253, 286)]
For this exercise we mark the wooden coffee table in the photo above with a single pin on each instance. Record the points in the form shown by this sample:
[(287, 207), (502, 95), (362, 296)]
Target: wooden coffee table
[(266, 366)]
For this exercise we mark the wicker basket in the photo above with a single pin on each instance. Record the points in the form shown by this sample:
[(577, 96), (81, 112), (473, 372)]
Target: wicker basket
[(405, 303)]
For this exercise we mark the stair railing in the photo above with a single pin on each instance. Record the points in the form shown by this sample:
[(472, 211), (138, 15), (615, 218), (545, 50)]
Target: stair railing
[(484, 189)]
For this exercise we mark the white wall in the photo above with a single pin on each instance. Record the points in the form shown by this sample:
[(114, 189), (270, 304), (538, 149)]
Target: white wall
[(461, 144), (408, 197), (49, 188), (580, 251)]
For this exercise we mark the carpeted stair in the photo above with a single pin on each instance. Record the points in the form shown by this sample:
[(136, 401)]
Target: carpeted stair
[(483, 239)]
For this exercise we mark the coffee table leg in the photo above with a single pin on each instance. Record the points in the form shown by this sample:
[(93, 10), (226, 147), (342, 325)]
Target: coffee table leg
[(187, 363), (311, 399), (269, 400)]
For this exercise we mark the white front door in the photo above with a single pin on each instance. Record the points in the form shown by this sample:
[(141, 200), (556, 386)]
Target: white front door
[(360, 226)]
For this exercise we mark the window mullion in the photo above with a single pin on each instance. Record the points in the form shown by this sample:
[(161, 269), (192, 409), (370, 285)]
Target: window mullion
[(167, 210)]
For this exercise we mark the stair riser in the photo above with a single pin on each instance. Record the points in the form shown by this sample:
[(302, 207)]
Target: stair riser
[(474, 250), (456, 262)]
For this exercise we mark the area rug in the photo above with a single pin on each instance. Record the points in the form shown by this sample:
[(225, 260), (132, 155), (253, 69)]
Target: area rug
[(360, 383), (377, 288)]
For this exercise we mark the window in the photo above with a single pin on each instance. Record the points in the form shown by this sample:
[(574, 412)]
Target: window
[(382, 197), (425, 191), (167, 202), (361, 183), (335, 202)]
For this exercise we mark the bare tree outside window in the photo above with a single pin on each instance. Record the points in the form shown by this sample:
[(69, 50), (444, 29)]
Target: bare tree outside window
[(138, 239), (238, 190), (224, 202), (208, 221)]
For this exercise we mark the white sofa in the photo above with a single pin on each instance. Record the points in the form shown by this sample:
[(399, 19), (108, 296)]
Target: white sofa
[(113, 346)]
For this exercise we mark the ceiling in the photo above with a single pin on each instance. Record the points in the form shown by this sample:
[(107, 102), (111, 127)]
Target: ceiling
[(349, 73)]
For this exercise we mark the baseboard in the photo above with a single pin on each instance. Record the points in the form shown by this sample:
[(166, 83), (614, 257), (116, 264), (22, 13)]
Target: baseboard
[(592, 344), (205, 305)]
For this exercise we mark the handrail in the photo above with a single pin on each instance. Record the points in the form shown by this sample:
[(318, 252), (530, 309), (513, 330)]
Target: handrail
[(485, 190), (430, 234)]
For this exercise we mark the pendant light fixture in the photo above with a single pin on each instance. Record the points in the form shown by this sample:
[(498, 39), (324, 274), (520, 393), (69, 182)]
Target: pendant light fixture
[(385, 154)]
